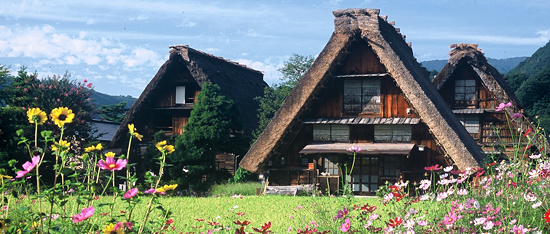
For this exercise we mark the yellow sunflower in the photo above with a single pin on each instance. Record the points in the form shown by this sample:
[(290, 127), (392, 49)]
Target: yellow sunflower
[(133, 131), (62, 115), (37, 116), (113, 229), (110, 154), (97, 147), (62, 146), (163, 147), (166, 188), (160, 145)]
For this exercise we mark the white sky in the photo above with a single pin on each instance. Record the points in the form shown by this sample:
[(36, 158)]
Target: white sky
[(119, 45)]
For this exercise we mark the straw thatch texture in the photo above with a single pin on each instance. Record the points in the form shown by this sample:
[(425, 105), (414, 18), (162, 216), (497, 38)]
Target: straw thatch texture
[(395, 54), (239, 82)]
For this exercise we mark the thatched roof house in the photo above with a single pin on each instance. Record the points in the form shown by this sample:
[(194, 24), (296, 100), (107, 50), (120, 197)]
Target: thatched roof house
[(168, 99), (392, 59), (474, 89)]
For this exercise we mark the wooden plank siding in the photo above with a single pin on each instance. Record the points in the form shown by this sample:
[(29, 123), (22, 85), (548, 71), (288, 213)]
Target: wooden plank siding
[(290, 168), (493, 126)]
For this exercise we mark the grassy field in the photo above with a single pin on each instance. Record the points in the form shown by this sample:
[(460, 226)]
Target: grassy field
[(200, 214)]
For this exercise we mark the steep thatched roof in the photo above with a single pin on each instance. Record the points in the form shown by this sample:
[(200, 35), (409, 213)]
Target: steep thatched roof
[(395, 54), (239, 82), (470, 55)]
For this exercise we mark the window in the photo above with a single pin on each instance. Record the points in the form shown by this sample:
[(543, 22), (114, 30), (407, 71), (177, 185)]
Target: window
[(465, 90), (180, 94), (330, 164), (326, 132), (362, 95), (470, 122), (390, 166), (392, 133)]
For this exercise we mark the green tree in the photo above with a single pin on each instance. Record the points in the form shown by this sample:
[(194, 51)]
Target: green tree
[(214, 127), (274, 96), (26, 91), (114, 112)]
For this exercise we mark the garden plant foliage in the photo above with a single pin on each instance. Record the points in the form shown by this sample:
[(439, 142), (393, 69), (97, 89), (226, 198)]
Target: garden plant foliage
[(500, 197)]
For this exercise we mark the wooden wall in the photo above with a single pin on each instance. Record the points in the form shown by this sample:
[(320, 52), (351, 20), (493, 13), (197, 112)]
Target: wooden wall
[(484, 98)]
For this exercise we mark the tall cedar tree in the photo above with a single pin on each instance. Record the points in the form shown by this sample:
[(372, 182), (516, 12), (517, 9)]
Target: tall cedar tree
[(214, 127), (26, 91)]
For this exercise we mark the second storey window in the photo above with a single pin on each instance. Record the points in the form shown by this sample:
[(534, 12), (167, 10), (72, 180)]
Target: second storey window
[(470, 122), (362, 95), (331, 132), (392, 133)]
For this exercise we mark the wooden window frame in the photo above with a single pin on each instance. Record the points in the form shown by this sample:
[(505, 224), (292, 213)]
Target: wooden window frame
[(465, 91), (470, 122), (362, 95), (333, 132), (392, 133)]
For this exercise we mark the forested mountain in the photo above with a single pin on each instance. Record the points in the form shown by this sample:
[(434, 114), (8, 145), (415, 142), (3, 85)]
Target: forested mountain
[(502, 65), (530, 80), (100, 99)]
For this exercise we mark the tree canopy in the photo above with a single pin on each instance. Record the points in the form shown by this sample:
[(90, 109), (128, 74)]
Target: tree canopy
[(274, 96), (214, 127), (26, 90)]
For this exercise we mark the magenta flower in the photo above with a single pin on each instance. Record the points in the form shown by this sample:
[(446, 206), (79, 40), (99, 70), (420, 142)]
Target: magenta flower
[(354, 149), (84, 214), (111, 165), (517, 115), (28, 166), (130, 193), (450, 219), (345, 226), (519, 229), (502, 106), (89, 85), (153, 191)]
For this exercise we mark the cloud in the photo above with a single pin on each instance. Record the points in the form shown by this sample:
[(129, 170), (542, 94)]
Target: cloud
[(271, 75), (541, 39), (139, 17), (44, 43)]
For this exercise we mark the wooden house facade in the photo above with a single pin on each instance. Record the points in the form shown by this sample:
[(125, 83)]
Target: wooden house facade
[(474, 89), (167, 101), (365, 89)]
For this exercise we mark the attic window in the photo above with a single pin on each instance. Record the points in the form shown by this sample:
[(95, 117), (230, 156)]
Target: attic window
[(180, 94), (465, 91), (331, 132), (362, 95)]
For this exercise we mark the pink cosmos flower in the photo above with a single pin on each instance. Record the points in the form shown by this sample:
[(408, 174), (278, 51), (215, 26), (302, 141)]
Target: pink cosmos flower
[(517, 115), (130, 193), (111, 165), (449, 219), (89, 85), (502, 106), (28, 166), (354, 149), (84, 214), (519, 229), (152, 190), (85, 80), (345, 226)]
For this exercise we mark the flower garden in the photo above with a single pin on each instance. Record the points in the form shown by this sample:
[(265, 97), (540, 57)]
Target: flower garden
[(508, 196)]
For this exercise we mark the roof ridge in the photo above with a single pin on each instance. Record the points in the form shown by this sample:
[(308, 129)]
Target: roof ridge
[(186, 47)]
